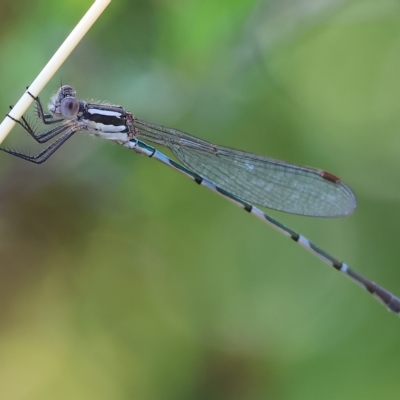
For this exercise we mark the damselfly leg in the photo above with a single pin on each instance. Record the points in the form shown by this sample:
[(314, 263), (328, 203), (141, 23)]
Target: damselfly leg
[(66, 127)]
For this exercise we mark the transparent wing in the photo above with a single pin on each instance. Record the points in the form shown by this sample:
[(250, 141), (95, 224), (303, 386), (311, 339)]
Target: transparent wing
[(254, 178)]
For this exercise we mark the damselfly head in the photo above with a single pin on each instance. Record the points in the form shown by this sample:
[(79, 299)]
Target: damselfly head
[(64, 103)]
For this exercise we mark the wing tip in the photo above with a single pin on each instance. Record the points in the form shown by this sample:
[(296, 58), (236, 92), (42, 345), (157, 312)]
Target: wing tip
[(330, 177)]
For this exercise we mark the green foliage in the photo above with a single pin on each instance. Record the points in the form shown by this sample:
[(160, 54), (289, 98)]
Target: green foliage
[(121, 279)]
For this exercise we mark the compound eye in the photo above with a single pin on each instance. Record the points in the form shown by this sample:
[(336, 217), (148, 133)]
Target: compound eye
[(69, 107)]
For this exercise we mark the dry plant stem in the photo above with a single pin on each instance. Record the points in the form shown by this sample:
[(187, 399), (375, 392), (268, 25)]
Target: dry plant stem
[(53, 65)]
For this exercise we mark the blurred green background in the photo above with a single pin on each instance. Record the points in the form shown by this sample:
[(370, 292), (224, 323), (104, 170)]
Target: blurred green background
[(122, 279)]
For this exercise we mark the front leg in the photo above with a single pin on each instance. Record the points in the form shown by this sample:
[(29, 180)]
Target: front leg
[(47, 119), (42, 137)]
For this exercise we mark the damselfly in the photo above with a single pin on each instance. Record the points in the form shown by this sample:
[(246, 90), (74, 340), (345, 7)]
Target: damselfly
[(239, 176)]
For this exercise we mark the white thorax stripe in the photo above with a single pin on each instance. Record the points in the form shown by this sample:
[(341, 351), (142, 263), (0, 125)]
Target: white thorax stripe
[(104, 112)]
